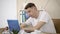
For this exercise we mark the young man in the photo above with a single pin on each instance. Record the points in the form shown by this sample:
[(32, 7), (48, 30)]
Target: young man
[(39, 20)]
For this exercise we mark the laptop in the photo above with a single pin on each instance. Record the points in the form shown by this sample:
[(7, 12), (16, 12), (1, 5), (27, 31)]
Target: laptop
[(13, 25)]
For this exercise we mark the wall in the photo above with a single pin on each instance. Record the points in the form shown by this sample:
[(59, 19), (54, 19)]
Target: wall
[(7, 11), (51, 6)]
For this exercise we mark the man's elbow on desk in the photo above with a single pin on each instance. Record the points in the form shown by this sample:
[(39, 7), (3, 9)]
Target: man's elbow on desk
[(37, 27)]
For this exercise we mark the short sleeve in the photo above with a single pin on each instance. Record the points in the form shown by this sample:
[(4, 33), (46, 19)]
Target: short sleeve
[(44, 17)]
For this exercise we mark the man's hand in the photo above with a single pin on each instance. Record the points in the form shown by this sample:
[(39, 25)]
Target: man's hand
[(27, 30), (22, 26)]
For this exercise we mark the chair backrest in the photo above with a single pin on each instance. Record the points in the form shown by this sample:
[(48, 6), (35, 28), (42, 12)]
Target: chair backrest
[(57, 25)]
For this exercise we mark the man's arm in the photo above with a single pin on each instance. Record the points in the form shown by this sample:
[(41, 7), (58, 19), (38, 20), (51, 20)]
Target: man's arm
[(37, 27)]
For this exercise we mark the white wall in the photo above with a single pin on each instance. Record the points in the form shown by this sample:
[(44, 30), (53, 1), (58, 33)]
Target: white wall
[(8, 10), (52, 7)]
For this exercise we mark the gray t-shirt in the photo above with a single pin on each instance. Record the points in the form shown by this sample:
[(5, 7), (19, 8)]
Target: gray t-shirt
[(43, 16)]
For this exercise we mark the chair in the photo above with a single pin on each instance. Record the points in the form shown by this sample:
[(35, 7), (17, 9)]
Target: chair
[(57, 25)]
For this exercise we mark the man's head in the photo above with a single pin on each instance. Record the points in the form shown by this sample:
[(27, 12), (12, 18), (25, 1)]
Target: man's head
[(31, 9)]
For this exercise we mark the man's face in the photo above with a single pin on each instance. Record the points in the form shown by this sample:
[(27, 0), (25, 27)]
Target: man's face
[(31, 11)]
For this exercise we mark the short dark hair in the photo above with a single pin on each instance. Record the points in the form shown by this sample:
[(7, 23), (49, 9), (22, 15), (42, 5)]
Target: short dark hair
[(29, 5)]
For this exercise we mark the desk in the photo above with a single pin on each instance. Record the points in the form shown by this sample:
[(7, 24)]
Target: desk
[(38, 33), (35, 32), (49, 33)]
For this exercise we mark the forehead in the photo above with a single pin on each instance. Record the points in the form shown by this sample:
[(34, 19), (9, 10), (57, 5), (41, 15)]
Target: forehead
[(29, 9)]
